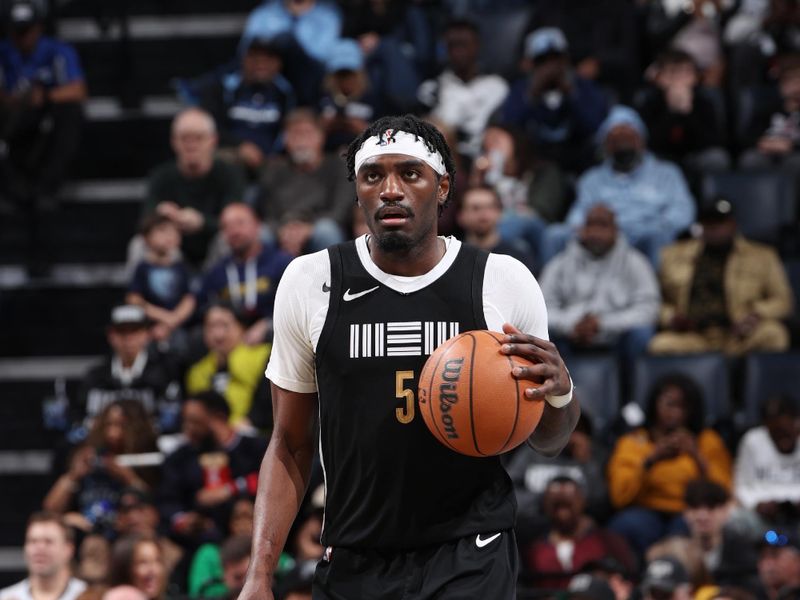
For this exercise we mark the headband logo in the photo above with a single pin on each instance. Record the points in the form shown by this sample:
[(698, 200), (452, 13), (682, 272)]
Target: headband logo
[(387, 137)]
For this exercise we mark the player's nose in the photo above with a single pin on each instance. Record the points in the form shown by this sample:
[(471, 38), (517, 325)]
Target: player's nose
[(391, 190)]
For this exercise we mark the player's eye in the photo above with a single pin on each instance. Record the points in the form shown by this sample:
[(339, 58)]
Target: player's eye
[(412, 175), (371, 177)]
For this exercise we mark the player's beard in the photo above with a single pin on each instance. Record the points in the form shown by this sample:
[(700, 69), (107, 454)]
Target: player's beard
[(394, 242)]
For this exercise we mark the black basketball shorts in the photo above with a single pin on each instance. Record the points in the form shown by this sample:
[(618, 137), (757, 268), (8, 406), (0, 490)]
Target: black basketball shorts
[(483, 566)]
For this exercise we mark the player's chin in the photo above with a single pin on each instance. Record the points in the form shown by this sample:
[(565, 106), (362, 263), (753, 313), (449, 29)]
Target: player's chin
[(393, 240)]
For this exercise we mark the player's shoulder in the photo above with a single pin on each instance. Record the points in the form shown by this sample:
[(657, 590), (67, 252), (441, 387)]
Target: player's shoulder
[(506, 265), (17, 591), (306, 270)]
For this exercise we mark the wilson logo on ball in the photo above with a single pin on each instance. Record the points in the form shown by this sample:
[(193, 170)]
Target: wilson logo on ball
[(448, 394)]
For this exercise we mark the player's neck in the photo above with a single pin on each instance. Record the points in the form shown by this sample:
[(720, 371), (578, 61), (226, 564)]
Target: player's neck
[(417, 260)]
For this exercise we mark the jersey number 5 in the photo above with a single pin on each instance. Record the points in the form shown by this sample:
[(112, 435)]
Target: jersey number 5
[(405, 413)]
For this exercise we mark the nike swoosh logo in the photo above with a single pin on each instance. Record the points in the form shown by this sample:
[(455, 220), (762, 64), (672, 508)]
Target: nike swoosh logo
[(326, 288), (480, 543), (348, 296)]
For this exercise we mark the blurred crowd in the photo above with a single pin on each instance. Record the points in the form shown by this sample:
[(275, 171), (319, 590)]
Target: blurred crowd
[(583, 149)]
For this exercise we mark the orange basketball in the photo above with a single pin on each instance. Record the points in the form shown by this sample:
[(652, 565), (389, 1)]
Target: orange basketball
[(470, 401)]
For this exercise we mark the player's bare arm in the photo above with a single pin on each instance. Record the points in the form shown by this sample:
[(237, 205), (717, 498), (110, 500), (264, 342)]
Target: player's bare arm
[(556, 424), (282, 483)]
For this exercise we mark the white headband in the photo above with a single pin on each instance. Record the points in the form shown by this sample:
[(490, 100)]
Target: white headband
[(393, 141)]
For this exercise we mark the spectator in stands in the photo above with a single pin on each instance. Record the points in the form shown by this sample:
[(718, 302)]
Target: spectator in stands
[(249, 105), (49, 548), (533, 191), (583, 460), (479, 215), (132, 372), (42, 89), (137, 561), (231, 560), (666, 579), (206, 574), (681, 117), (203, 478), (248, 277), (649, 197), (725, 552), (306, 32), (305, 537), (610, 570), (350, 102), (93, 559), (694, 27), (123, 592), (90, 488), (779, 565), (651, 466), (722, 292), (306, 197), (572, 540), (296, 584), (462, 97), (233, 368), (587, 587), (603, 39), (558, 109), (600, 291), (767, 463), (398, 43), (193, 189), (137, 514), (773, 134), (161, 281)]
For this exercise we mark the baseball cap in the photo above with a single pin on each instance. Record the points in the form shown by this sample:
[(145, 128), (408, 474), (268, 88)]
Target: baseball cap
[(666, 573), (719, 210), (546, 40), (346, 55), (587, 587), (129, 316), (22, 13)]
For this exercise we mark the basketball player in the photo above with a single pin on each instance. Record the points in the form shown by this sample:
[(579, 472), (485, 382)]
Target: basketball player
[(405, 517)]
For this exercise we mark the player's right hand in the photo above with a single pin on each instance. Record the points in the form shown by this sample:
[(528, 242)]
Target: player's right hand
[(256, 589)]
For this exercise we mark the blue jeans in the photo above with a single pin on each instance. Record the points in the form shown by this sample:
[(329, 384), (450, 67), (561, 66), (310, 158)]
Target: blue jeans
[(643, 527)]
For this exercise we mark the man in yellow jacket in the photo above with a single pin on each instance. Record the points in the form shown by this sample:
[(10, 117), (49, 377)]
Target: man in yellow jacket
[(722, 292)]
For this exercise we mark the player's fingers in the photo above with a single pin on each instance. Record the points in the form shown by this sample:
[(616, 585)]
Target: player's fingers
[(518, 337), (538, 393), (530, 351), (536, 372)]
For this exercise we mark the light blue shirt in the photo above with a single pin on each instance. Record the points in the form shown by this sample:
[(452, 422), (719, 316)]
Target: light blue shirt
[(652, 199), (316, 30)]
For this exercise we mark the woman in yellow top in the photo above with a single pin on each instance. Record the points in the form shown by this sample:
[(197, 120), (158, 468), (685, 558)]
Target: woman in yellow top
[(233, 368), (651, 466)]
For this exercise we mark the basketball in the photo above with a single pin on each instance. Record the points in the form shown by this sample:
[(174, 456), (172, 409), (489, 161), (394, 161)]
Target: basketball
[(469, 399)]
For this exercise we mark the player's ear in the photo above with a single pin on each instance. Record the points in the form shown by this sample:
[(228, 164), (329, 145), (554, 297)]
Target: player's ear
[(443, 188)]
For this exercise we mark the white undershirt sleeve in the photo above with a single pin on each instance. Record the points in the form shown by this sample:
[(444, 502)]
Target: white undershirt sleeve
[(301, 303), (511, 294)]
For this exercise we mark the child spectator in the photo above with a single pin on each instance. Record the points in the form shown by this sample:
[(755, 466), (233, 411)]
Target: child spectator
[(161, 281)]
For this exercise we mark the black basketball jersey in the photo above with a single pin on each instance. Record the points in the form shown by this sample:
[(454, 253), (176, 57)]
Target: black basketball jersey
[(390, 484)]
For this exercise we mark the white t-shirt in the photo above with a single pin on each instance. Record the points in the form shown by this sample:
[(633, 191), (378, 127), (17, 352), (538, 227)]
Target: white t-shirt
[(22, 590), (762, 473), (510, 295)]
